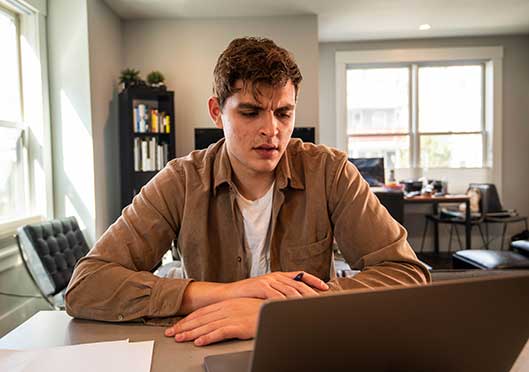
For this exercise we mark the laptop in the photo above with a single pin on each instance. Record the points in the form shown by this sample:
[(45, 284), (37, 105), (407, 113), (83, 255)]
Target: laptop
[(476, 324)]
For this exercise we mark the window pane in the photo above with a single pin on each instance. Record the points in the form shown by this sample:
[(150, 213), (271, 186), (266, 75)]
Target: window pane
[(377, 100), (451, 151), (394, 149), (12, 202), (450, 98), (9, 71)]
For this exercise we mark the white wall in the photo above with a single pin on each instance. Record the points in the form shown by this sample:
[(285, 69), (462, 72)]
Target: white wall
[(186, 51), (71, 117), (85, 59), (106, 61)]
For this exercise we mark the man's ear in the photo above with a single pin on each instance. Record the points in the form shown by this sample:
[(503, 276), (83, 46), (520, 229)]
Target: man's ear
[(215, 112)]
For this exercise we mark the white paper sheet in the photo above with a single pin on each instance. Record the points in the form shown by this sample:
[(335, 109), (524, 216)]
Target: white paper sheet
[(112, 356)]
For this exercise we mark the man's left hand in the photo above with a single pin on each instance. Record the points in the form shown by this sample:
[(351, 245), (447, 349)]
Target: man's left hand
[(234, 318)]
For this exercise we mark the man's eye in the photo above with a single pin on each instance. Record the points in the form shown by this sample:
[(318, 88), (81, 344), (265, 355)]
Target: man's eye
[(283, 115), (249, 114)]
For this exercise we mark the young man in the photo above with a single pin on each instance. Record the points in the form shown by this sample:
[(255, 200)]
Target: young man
[(254, 217)]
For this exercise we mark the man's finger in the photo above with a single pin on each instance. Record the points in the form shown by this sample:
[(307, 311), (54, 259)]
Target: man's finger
[(286, 289), (171, 331), (199, 321), (200, 331), (271, 292), (217, 335), (301, 287), (309, 279)]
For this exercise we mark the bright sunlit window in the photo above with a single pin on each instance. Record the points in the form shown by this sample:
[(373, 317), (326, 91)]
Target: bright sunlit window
[(378, 114), (447, 102), (13, 160)]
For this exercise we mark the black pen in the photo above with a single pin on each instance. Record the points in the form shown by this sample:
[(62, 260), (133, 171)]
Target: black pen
[(299, 277)]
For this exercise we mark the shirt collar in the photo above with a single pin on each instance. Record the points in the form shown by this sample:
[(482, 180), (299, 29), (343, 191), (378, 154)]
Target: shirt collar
[(286, 175)]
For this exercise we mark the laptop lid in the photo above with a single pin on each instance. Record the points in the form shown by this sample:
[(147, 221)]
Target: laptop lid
[(471, 325)]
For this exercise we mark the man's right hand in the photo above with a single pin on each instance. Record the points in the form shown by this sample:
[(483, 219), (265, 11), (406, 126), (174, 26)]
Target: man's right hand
[(277, 285)]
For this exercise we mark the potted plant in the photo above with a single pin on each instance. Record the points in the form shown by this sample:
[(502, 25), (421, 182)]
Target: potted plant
[(130, 77), (156, 79)]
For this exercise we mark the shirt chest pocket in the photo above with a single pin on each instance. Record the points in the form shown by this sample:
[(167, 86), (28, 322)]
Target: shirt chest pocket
[(314, 258)]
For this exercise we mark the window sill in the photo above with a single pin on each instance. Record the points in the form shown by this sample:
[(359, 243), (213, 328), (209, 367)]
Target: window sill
[(9, 228)]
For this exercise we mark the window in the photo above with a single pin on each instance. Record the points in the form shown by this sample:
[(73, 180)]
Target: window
[(378, 114), (13, 154), (431, 112), (447, 102)]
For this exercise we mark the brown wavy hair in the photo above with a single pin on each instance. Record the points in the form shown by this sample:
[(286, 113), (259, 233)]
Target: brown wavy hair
[(255, 61)]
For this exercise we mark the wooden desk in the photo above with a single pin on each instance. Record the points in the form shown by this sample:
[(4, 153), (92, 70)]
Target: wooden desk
[(435, 201), (56, 328)]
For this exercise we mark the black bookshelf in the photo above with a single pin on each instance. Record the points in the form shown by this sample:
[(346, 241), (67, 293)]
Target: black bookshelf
[(146, 143)]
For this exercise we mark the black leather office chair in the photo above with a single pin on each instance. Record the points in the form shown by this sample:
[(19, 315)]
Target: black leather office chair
[(494, 212), (49, 251)]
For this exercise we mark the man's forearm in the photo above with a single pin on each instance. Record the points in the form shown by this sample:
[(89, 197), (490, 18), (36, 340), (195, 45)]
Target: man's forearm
[(200, 294)]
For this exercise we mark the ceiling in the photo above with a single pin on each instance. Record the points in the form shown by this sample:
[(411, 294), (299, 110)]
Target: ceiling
[(348, 20)]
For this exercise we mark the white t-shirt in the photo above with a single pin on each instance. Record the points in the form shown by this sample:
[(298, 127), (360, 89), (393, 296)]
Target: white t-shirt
[(256, 215)]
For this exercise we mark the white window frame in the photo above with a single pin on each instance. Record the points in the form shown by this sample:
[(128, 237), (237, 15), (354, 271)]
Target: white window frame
[(491, 57), (31, 30)]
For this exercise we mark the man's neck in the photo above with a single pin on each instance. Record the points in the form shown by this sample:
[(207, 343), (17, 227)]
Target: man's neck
[(255, 186)]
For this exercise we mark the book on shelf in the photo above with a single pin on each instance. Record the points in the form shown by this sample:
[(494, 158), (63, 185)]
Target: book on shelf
[(149, 154), (150, 120)]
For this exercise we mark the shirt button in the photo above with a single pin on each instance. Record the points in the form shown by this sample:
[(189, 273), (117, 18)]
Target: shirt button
[(239, 259), (120, 317)]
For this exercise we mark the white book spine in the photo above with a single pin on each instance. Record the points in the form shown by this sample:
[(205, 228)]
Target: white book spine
[(144, 156), (153, 153), (137, 151), (165, 153)]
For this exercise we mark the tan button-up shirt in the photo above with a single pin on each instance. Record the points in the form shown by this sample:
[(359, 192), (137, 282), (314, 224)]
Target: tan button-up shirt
[(318, 195)]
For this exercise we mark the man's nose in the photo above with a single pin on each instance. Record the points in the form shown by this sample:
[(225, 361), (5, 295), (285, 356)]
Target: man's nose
[(269, 126)]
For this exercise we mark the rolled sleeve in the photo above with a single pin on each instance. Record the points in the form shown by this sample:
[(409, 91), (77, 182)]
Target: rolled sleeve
[(114, 281)]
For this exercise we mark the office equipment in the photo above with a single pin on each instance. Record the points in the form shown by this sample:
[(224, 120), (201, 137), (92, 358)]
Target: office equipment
[(393, 200), (372, 169), (117, 356), (401, 329), (207, 136), (49, 251)]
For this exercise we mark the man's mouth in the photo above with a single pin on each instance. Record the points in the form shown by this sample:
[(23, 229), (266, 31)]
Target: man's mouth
[(266, 147), (266, 151)]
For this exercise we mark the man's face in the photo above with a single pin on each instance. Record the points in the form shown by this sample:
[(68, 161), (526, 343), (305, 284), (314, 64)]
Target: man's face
[(256, 131)]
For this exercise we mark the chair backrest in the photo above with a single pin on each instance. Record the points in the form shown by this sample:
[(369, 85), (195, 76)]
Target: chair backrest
[(50, 251), (490, 199)]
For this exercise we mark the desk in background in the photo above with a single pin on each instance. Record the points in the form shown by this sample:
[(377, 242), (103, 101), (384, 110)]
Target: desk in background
[(395, 201)]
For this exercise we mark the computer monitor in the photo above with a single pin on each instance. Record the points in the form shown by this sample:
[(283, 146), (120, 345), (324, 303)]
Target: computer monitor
[(206, 136), (372, 169)]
